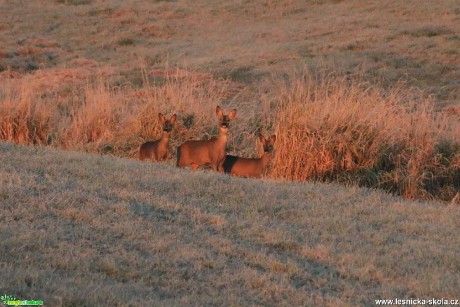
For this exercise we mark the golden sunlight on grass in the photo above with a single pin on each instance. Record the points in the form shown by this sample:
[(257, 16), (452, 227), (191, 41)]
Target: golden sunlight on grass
[(329, 128), (379, 106), (100, 231), (360, 200), (340, 130)]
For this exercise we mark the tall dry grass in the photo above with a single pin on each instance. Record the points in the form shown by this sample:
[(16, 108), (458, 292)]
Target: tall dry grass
[(24, 119), (96, 116), (331, 128)]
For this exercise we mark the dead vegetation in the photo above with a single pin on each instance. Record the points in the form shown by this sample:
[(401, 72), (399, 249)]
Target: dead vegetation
[(329, 127), (358, 92), (334, 129)]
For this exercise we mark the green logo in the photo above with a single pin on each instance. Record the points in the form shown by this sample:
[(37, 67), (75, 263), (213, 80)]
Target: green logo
[(12, 301), (5, 298)]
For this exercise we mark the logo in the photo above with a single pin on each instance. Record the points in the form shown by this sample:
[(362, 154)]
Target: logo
[(10, 300)]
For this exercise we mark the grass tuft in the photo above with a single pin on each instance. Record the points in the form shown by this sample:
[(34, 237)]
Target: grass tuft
[(126, 42), (428, 31), (336, 129)]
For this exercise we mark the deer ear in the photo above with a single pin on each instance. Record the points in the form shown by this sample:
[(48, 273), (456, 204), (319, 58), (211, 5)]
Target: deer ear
[(219, 112), (232, 114), (162, 118), (173, 119), (273, 139)]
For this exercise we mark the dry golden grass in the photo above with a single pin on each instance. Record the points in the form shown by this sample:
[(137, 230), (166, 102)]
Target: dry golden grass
[(90, 75), (99, 117), (418, 42), (329, 127), (87, 230), (378, 107), (333, 128)]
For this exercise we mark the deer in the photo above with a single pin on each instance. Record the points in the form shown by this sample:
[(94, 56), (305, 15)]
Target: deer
[(250, 167), (158, 150), (195, 153)]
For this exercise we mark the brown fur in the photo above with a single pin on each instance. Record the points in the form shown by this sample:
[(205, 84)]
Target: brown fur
[(196, 153), (158, 150), (250, 167)]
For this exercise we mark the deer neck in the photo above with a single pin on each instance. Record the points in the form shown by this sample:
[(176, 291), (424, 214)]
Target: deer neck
[(222, 138), (165, 137), (265, 159)]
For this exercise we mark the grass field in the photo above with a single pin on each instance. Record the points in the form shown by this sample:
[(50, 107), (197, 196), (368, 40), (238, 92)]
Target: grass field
[(91, 76), (244, 40), (86, 230), (361, 93)]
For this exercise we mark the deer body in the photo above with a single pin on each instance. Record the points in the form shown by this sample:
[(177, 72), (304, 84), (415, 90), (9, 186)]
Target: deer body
[(250, 167), (196, 153), (158, 150), (155, 150)]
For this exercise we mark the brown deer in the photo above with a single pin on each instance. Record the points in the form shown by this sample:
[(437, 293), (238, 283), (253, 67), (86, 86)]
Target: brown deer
[(196, 153), (250, 167), (158, 150)]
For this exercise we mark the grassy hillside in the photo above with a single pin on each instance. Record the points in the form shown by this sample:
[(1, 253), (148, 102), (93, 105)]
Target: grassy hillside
[(357, 92), (87, 230), (243, 40)]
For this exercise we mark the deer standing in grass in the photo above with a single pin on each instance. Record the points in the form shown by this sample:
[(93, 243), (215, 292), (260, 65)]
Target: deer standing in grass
[(196, 153), (158, 150), (251, 167)]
